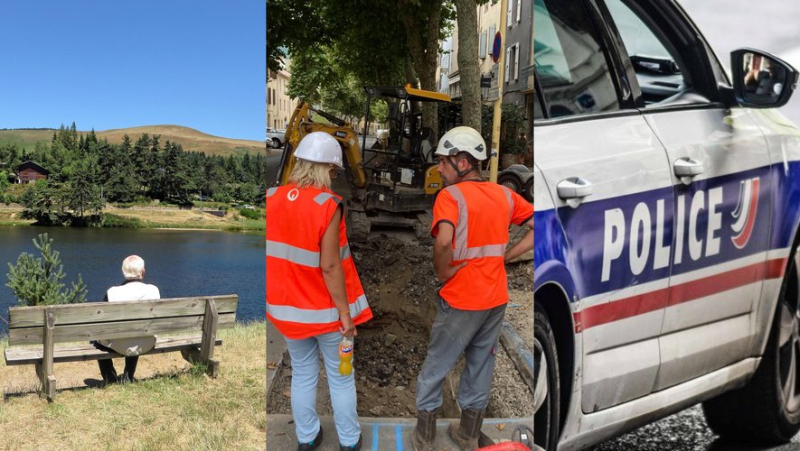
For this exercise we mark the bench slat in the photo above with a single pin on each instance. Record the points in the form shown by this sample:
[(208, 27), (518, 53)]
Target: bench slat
[(118, 329), (79, 353), (93, 312)]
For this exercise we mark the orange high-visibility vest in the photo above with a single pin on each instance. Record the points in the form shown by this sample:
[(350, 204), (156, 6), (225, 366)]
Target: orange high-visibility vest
[(480, 213), (298, 301)]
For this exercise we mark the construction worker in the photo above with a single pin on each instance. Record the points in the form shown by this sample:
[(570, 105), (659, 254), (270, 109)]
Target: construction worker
[(314, 295), (471, 218)]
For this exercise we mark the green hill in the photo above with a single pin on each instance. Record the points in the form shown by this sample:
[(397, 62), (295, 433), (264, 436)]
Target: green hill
[(189, 138)]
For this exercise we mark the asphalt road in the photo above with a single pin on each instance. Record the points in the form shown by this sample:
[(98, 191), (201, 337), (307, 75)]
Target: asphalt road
[(772, 26), (684, 431)]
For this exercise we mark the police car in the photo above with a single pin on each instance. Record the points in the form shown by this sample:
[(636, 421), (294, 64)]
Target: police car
[(667, 197)]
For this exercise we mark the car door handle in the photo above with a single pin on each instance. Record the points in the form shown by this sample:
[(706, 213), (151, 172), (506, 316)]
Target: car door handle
[(574, 188), (687, 168)]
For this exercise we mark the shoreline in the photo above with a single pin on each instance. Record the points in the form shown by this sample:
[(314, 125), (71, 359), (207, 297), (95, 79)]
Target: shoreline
[(161, 219)]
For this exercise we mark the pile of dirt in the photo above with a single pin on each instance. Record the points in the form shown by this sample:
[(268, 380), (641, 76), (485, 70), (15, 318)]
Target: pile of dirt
[(397, 275)]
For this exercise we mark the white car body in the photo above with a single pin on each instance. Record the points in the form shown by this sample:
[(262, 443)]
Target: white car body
[(663, 230)]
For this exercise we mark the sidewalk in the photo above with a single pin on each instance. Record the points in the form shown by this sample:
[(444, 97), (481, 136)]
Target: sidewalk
[(382, 433), (276, 346)]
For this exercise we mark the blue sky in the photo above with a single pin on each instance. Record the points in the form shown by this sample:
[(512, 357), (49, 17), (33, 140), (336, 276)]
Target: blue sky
[(112, 64)]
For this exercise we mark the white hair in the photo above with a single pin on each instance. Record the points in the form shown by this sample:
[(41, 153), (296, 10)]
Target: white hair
[(133, 267)]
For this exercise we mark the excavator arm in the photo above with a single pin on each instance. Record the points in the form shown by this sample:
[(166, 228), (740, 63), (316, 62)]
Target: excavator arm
[(302, 124)]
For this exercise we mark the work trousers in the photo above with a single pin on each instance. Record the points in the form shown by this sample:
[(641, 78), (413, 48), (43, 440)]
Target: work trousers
[(305, 377), (472, 332)]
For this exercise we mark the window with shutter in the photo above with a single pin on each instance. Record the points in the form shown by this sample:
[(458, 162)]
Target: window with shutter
[(482, 49), (492, 31), (509, 9), (508, 56), (516, 61), (519, 10)]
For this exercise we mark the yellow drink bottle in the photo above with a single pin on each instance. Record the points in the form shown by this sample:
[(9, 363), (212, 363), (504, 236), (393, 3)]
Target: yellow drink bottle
[(345, 357)]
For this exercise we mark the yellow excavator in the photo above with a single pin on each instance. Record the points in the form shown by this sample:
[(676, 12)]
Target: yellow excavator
[(394, 182)]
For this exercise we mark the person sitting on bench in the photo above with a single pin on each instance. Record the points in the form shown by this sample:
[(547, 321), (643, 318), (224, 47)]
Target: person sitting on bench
[(133, 289)]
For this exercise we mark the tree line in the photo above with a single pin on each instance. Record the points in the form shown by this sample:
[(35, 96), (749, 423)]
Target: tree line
[(86, 172)]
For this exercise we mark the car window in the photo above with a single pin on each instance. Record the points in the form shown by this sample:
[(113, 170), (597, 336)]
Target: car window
[(657, 69), (570, 64), (537, 108)]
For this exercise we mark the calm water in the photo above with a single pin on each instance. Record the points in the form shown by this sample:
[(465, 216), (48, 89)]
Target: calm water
[(180, 263)]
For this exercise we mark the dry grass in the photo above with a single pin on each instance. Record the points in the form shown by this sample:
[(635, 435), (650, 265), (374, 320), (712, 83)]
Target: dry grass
[(189, 138), (11, 216), (158, 218), (172, 406), (176, 218)]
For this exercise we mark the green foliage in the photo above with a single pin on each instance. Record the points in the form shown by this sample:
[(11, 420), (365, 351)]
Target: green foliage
[(252, 214), (37, 281), (86, 172), (513, 127), (120, 222)]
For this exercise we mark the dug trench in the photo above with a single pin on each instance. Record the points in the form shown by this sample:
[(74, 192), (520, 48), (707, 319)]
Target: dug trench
[(397, 275)]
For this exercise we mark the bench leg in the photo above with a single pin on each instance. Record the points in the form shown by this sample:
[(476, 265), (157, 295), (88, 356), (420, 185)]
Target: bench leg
[(210, 338), (50, 388), (45, 370), (194, 356), (213, 368)]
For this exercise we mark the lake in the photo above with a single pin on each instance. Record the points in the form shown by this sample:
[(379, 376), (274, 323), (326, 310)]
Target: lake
[(179, 262)]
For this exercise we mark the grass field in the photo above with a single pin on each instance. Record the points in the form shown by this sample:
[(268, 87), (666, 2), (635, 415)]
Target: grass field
[(185, 219), (189, 138), (172, 406), (155, 219)]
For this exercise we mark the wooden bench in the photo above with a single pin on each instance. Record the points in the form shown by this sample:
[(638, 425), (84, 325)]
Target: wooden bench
[(196, 318)]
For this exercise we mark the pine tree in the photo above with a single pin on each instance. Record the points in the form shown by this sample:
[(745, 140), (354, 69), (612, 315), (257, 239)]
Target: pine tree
[(37, 281)]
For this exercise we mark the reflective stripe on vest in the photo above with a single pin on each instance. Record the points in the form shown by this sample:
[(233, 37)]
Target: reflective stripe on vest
[(300, 256), (321, 198), (461, 251), (293, 254), (306, 316), (510, 200)]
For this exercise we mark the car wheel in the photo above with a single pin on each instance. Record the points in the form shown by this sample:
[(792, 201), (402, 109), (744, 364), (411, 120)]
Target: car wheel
[(546, 391), (527, 191), (511, 182), (767, 409), (276, 143)]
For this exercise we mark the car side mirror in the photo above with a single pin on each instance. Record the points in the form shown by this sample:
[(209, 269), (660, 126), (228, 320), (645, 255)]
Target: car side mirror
[(761, 80)]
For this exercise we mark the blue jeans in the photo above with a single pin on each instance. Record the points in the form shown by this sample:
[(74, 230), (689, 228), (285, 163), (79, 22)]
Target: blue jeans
[(305, 376)]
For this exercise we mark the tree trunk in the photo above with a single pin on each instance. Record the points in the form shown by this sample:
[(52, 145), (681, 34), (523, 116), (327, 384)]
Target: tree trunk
[(427, 71), (423, 43), (468, 66)]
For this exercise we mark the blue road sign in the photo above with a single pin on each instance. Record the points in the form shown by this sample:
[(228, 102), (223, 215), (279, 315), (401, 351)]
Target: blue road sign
[(496, 47)]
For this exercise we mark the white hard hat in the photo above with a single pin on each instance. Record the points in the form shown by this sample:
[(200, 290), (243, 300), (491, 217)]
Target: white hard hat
[(320, 147), (462, 139)]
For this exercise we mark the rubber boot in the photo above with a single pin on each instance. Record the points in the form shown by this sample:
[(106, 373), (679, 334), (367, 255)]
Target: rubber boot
[(467, 432), (425, 432)]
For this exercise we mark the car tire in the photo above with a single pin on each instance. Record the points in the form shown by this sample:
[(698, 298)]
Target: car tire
[(511, 182), (546, 420), (767, 409), (527, 191), (276, 143)]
